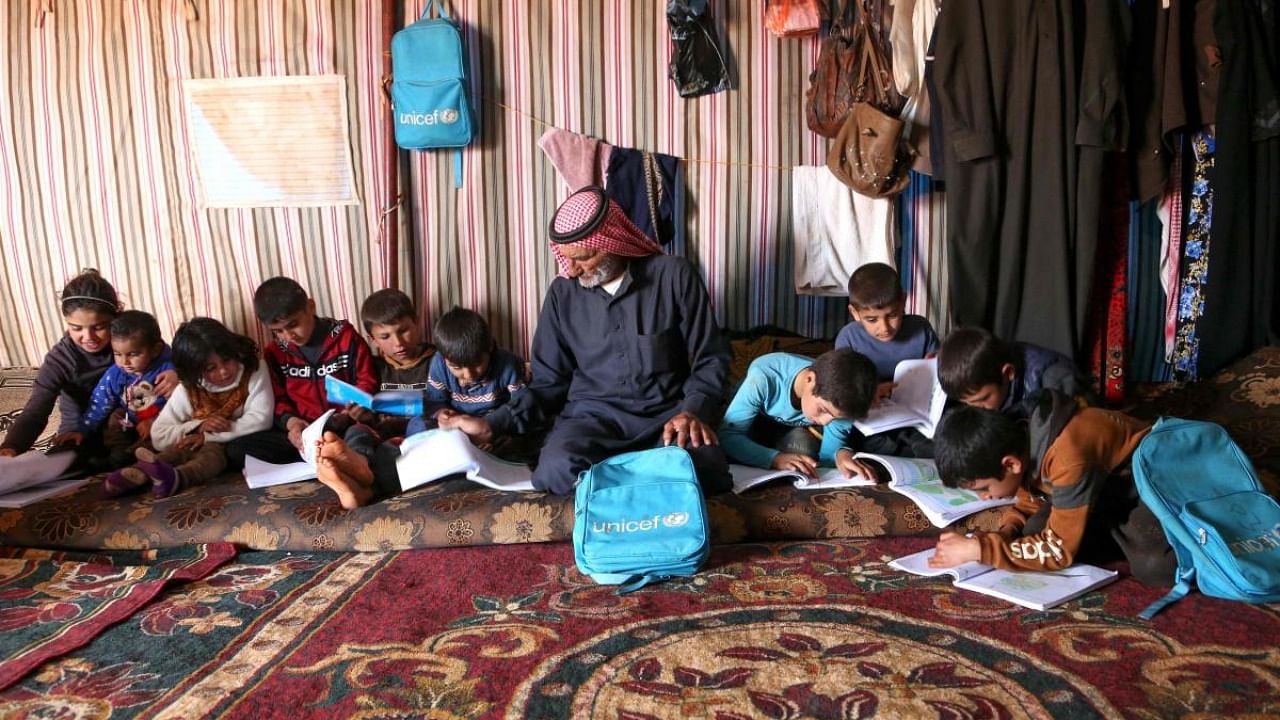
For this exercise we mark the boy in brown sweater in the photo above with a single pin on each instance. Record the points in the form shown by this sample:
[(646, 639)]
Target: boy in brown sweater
[(1068, 468)]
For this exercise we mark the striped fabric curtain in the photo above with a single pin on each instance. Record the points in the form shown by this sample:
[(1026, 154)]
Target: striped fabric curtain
[(96, 169), (599, 68)]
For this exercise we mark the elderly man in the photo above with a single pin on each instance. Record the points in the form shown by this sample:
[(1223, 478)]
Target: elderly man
[(626, 354)]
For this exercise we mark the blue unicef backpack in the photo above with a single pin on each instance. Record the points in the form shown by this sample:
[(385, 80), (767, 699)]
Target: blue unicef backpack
[(640, 518), (429, 85), (1223, 527)]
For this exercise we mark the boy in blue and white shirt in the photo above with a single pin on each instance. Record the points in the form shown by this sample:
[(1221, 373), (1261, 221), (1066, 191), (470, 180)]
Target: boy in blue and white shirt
[(469, 377), (126, 398)]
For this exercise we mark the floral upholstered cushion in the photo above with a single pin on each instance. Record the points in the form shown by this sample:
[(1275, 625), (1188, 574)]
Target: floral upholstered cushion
[(306, 516)]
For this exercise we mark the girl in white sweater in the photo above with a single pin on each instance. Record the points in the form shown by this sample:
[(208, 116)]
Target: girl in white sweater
[(225, 393)]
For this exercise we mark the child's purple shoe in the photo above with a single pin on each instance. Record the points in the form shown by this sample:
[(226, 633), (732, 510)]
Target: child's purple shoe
[(122, 481), (164, 477)]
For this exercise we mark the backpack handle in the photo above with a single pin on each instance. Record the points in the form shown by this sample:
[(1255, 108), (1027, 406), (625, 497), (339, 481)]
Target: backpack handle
[(439, 6)]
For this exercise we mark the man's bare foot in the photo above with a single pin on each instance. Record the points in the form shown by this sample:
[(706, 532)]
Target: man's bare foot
[(347, 461), (351, 494)]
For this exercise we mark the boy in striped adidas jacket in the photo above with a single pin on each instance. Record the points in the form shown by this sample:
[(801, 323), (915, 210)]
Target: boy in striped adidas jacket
[(470, 377)]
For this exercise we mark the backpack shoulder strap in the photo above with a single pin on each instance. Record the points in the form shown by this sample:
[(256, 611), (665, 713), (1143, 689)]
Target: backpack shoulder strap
[(1179, 591), (438, 5)]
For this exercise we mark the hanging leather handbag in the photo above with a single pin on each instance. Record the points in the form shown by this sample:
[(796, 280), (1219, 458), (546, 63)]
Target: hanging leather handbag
[(833, 82), (870, 153)]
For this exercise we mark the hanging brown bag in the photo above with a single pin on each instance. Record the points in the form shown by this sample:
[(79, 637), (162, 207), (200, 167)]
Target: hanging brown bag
[(870, 153), (792, 18), (833, 82)]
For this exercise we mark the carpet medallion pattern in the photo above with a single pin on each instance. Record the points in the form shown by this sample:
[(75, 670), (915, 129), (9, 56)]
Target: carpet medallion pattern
[(780, 630)]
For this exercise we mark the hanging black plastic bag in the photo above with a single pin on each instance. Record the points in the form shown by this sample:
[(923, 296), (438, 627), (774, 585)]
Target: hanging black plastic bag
[(698, 64)]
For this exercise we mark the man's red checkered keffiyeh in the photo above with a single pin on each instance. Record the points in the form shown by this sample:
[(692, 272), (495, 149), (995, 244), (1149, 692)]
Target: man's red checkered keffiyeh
[(589, 219)]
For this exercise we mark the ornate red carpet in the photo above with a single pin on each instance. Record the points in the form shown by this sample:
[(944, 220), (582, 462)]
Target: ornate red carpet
[(792, 630)]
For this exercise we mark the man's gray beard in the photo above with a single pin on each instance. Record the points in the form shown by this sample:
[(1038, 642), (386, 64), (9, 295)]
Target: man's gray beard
[(608, 269)]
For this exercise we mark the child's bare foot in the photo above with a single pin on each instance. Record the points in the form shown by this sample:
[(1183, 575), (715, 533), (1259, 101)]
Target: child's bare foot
[(351, 494), (348, 461)]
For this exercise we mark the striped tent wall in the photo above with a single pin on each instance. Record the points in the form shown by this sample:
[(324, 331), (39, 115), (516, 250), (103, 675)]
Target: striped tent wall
[(96, 167), (95, 170), (599, 67)]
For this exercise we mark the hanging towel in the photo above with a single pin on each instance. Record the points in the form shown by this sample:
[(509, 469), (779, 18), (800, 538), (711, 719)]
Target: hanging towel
[(835, 230), (580, 160)]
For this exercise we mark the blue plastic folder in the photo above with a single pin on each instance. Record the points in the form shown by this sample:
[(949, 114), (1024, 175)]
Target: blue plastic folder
[(391, 402)]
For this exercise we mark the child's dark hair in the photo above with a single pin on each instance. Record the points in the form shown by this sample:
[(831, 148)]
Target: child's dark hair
[(137, 326), (199, 339), (385, 307), (969, 358), (846, 379), (278, 298), (89, 291), (971, 443), (874, 285), (462, 337)]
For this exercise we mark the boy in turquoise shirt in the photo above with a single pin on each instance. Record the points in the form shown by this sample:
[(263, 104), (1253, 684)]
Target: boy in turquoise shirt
[(784, 391)]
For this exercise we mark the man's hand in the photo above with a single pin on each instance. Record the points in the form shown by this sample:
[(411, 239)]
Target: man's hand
[(361, 414), (295, 426), (215, 424), (68, 438), (476, 428), (851, 466), (797, 462), (166, 382), (192, 441), (444, 416), (955, 549), (686, 430)]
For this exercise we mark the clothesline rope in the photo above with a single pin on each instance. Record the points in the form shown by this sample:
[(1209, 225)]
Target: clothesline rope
[(730, 163)]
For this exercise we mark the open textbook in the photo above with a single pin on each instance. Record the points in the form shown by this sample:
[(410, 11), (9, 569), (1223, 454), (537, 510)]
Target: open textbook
[(436, 454), (1035, 589), (391, 402), (917, 401), (34, 476), (260, 474), (917, 478)]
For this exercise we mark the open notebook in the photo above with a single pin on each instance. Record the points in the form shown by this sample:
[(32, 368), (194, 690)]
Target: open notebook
[(917, 401), (34, 476), (260, 474), (1035, 589), (917, 478), (437, 454)]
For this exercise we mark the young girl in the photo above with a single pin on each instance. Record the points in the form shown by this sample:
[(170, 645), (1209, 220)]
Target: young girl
[(225, 394), (72, 368)]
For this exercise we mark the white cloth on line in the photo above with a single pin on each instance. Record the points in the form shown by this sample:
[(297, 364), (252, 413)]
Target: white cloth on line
[(835, 230)]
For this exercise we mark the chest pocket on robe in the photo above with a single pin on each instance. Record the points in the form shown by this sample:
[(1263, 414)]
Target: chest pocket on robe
[(662, 352)]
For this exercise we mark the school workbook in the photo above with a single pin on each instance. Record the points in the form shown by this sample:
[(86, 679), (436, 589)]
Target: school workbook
[(260, 474), (1035, 589), (391, 402), (438, 454), (917, 401), (917, 478)]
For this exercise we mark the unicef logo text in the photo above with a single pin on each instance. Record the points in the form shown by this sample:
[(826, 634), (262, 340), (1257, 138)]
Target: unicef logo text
[(447, 116), (670, 520)]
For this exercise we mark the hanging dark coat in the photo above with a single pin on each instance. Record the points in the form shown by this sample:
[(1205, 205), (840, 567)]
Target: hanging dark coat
[(1240, 295), (1031, 97)]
